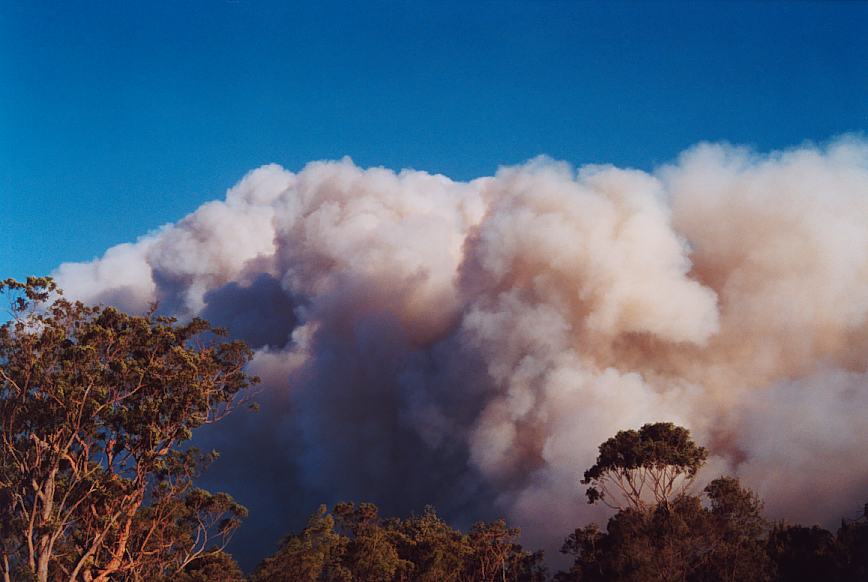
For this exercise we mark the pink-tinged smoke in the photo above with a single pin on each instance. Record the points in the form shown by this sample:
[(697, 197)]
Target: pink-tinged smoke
[(471, 343)]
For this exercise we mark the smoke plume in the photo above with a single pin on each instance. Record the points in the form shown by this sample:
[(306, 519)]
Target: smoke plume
[(469, 344)]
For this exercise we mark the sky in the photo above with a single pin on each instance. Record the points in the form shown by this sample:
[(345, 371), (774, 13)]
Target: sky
[(119, 117)]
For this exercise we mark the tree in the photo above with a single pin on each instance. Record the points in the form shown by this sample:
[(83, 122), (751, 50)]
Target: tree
[(814, 553), (659, 461), (316, 554), (637, 545), (356, 544), (803, 553), (683, 540), (94, 405), (437, 551), (736, 533), (661, 532), (371, 553), (496, 555), (213, 567), (852, 541)]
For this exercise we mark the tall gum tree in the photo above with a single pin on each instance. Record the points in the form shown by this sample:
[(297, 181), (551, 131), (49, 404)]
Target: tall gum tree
[(95, 405)]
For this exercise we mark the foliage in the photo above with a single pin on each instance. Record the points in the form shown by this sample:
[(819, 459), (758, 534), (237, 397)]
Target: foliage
[(314, 554), (437, 551), (813, 553), (681, 540), (659, 460), (211, 567), (94, 404), (852, 541), (719, 536), (803, 552), (354, 543)]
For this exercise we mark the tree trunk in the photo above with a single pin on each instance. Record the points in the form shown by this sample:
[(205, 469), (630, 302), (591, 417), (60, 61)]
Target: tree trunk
[(44, 547)]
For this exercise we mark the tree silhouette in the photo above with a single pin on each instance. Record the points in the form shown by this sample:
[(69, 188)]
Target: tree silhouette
[(650, 466)]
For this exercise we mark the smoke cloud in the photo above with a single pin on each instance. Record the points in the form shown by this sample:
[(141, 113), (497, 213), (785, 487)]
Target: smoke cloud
[(469, 344)]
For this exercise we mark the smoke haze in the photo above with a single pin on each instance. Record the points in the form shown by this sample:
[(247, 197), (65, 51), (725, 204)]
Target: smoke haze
[(470, 344)]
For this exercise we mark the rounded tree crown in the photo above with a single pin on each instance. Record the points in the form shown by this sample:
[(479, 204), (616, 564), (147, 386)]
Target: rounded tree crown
[(660, 451)]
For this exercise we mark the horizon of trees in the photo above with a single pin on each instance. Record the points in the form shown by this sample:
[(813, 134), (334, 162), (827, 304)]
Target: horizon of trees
[(97, 483)]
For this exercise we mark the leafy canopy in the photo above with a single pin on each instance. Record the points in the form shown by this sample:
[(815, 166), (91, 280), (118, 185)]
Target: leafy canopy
[(94, 404), (659, 461), (355, 543)]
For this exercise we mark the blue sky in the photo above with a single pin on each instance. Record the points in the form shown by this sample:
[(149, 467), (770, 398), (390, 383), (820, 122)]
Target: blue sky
[(118, 117)]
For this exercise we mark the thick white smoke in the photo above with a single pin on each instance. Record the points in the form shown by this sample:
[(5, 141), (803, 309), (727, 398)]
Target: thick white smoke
[(471, 343)]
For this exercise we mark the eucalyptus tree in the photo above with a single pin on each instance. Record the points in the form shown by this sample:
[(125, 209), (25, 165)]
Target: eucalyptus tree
[(354, 543), (644, 468), (661, 531), (94, 407)]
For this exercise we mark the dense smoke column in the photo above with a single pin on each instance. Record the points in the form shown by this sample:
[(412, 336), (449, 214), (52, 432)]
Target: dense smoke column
[(470, 344)]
